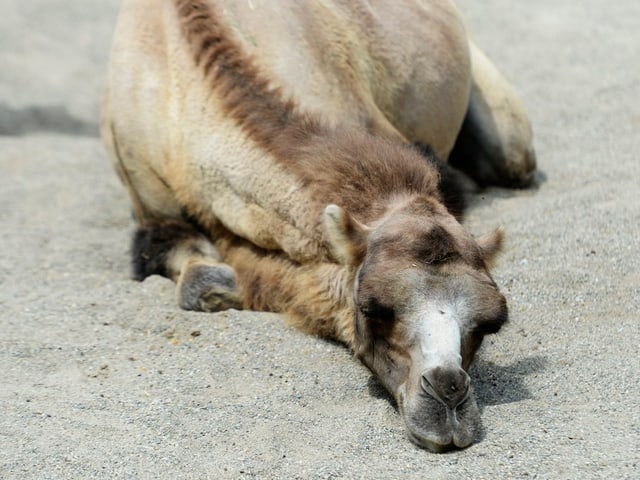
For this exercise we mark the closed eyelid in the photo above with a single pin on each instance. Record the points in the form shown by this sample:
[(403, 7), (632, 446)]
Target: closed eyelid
[(373, 308)]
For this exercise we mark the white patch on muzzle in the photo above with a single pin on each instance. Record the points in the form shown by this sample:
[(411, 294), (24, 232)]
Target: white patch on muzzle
[(439, 334)]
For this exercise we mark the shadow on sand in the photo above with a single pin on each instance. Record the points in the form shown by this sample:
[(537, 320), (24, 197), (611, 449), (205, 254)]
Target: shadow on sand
[(500, 384), (35, 119)]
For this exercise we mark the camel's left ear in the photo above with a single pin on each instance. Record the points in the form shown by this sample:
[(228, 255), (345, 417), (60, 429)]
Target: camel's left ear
[(491, 244), (346, 236)]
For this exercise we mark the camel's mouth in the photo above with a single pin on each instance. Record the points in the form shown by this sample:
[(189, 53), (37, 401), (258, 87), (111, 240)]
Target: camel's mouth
[(430, 445), (436, 427)]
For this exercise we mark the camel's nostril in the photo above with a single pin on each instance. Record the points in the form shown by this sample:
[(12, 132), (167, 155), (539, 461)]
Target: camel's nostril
[(449, 385)]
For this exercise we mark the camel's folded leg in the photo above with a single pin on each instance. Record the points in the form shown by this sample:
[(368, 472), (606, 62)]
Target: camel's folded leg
[(180, 252), (495, 145)]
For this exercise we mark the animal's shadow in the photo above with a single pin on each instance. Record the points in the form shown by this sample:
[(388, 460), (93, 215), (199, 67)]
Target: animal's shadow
[(499, 384), (54, 118), (476, 196)]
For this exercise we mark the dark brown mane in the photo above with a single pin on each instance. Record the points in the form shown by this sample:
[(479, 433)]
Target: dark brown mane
[(340, 165)]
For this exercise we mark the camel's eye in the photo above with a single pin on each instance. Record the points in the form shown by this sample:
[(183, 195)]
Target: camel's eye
[(376, 311)]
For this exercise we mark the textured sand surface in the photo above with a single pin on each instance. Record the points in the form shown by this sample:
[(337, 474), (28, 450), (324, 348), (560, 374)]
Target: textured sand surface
[(103, 377)]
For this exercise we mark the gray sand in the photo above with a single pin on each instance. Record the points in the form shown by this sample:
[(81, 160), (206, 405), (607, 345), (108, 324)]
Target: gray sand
[(103, 377)]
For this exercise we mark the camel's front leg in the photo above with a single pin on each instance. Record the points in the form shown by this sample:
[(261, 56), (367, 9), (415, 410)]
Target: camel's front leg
[(176, 250), (495, 145)]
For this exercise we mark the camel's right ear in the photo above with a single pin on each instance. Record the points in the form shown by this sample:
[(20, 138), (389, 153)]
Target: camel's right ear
[(491, 244), (346, 236)]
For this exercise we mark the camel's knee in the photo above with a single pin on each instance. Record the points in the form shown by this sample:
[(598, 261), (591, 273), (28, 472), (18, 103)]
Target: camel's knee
[(164, 249)]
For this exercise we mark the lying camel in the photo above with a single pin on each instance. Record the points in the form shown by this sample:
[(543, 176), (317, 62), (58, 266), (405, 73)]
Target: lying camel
[(268, 150)]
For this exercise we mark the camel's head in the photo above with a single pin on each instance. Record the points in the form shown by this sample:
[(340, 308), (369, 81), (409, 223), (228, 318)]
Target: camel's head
[(424, 300)]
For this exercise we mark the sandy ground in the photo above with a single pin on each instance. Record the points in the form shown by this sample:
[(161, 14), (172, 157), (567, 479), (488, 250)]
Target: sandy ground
[(103, 377)]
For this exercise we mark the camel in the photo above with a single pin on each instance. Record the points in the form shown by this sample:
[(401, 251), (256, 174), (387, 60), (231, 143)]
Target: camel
[(269, 151)]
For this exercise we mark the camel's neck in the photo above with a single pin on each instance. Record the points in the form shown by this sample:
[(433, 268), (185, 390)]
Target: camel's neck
[(316, 298)]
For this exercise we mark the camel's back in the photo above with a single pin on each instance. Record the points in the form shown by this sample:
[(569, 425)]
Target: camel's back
[(398, 68)]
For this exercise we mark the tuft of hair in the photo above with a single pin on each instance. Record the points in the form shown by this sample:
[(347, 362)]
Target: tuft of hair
[(450, 184), (151, 246)]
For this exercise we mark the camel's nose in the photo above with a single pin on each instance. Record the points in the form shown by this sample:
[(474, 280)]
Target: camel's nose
[(449, 385)]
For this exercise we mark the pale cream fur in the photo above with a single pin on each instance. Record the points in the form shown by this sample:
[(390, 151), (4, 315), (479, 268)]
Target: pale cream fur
[(173, 147)]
